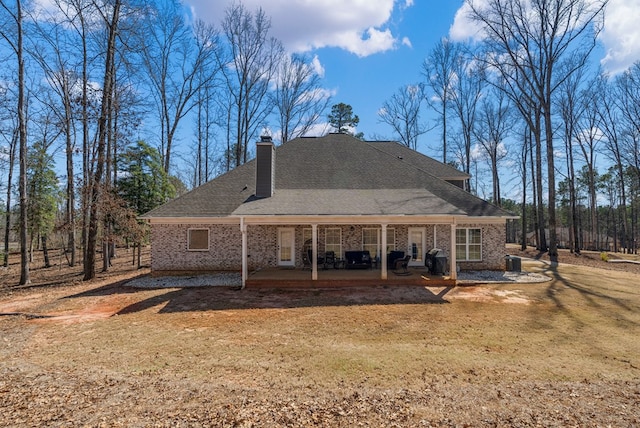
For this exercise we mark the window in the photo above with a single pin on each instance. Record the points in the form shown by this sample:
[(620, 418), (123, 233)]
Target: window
[(333, 241), (371, 237), (307, 235), (370, 241), (391, 240), (469, 244), (198, 240)]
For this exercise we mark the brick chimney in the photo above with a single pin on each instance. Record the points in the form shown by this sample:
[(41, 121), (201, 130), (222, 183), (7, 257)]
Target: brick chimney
[(265, 167)]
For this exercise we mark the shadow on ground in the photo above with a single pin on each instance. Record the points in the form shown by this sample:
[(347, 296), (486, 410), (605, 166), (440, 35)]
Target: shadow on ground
[(223, 298)]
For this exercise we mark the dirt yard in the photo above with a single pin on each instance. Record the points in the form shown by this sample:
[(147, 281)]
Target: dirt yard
[(560, 353)]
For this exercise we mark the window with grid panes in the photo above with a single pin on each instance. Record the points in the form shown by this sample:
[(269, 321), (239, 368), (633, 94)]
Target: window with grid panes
[(333, 240), (469, 244)]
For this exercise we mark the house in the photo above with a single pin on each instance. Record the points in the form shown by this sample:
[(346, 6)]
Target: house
[(333, 193)]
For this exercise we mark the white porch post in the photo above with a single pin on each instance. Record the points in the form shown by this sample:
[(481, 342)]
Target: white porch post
[(314, 252), (243, 229), (452, 269), (435, 241), (383, 251)]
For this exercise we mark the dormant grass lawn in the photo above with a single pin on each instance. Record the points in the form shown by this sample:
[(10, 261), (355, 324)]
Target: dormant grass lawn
[(563, 352)]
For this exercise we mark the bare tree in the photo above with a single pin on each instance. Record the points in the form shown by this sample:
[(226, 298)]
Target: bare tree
[(203, 133), (11, 137), (175, 55), (53, 51), (535, 45), (249, 68), (13, 34), (569, 108), (588, 135), (402, 113), (439, 72), (466, 90), (298, 97), (111, 17), (491, 130)]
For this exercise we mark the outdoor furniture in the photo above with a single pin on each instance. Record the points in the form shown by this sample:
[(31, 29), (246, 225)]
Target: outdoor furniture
[(402, 264), (392, 257), (436, 261), (329, 259), (357, 260)]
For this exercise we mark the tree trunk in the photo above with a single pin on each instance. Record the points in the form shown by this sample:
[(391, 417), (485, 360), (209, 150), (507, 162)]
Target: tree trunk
[(97, 181), (542, 243), (7, 229), (45, 252), (22, 130)]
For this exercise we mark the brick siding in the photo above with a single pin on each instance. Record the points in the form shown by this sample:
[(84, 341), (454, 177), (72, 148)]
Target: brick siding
[(169, 245)]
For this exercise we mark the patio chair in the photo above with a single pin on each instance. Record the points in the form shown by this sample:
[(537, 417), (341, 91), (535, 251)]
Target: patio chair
[(403, 264), (329, 259)]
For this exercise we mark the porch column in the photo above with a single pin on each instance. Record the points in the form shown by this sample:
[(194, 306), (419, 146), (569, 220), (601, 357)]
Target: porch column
[(243, 229), (435, 241), (383, 251), (452, 269), (314, 252)]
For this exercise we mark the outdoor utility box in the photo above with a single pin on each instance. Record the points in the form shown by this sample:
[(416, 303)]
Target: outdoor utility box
[(514, 264), (436, 261)]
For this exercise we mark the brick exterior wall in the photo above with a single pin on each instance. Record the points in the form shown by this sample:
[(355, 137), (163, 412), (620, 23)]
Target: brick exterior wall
[(169, 245), (169, 248), (493, 248)]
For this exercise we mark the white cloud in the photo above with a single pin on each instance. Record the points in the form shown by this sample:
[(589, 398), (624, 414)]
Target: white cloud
[(358, 26), (620, 37), (463, 28), (318, 68)]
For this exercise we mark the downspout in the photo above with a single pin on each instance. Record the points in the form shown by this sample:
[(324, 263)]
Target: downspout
[(243, 230), (452, 269)]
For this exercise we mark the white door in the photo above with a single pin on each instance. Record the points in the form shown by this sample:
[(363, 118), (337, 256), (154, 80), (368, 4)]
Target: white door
[(417, 243), (286, 247)]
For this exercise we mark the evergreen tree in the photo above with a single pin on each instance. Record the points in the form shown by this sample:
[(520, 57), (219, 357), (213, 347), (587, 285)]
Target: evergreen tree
[(44, 195), (145, 184), (342, 118)]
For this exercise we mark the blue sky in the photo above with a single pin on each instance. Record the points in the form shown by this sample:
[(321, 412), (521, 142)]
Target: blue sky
[(370, 48)]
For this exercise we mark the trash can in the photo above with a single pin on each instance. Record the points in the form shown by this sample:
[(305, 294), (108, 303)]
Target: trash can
[(436, 261), (514, 264)]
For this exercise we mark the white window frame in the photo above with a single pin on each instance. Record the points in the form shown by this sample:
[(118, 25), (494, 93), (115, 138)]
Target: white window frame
[(391, 240), (332, 246), (463, 248), (307, 234), (371, 245), (391, 236), (198, 229)]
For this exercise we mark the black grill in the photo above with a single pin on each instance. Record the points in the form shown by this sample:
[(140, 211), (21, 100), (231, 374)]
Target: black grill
[(436, 261)]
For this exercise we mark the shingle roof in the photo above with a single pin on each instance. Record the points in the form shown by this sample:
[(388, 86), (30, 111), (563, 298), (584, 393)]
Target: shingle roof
[(336, 175)]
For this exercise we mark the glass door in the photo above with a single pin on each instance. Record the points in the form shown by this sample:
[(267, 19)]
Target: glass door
[(286, 247), (417, 237)]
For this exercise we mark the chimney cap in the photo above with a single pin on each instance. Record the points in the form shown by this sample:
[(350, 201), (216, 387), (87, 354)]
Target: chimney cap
[(265, 136)]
